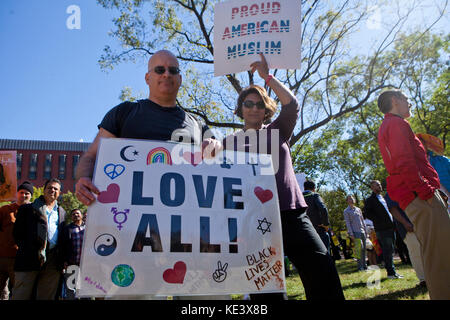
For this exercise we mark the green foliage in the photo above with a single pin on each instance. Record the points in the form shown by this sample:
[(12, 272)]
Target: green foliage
[(346, 155), (69, 202), (336, 204), (334, 79), (433, 115), (335, 141), (37, 192)]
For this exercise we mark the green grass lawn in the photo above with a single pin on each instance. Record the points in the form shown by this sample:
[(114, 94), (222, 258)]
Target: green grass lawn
[(363, 285)]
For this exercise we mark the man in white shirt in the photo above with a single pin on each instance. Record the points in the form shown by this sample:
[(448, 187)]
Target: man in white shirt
[(39, 257)]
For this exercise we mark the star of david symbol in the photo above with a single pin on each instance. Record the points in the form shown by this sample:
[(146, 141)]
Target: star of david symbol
[(266, 223)]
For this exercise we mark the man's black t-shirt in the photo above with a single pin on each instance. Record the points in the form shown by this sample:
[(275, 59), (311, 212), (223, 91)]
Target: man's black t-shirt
[(145, 119)]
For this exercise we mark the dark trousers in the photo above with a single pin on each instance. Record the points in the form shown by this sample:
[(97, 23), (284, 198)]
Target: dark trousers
[(387, 241), (401, 248), (310, 257), (324, 236)]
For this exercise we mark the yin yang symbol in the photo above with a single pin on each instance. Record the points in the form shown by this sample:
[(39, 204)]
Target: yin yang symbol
[(105, 244)]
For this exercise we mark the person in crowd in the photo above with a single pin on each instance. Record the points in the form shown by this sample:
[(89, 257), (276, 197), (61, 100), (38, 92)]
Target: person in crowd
[(335, 245), (346, 244), (414, 184), (301, 242), (356, 229), (375, 209), (8, 247), (37, 232), (406, 231), (371, 234), (317, 212), (72, 241)]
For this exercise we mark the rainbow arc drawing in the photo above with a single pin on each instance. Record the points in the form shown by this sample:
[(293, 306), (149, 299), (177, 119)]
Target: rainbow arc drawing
[(159, 155)]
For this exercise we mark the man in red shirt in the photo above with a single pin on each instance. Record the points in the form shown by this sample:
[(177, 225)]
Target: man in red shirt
[(414, 184), (8, 247)]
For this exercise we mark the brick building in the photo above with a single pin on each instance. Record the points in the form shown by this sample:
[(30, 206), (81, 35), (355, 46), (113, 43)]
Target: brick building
[(38, 161)]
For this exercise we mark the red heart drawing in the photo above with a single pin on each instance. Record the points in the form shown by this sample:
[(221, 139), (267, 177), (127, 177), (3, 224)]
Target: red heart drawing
[(263, 195), (193, 158), (111, 195), (175, 275)]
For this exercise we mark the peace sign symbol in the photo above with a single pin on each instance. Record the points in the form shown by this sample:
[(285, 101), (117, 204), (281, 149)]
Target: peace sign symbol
[(221, 273), (113, 170)]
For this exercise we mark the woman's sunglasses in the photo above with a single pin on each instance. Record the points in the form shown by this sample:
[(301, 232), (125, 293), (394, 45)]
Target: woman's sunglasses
[(250, 104), (162, 70)]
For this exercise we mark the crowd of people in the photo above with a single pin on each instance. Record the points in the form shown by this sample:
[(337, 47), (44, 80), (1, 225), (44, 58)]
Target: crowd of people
[(40, 245), (36, 244)]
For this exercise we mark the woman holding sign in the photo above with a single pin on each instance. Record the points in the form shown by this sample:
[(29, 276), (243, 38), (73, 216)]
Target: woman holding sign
[(301, 242)]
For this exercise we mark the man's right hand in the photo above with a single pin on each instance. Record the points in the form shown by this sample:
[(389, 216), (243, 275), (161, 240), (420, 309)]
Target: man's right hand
[(85, 190)]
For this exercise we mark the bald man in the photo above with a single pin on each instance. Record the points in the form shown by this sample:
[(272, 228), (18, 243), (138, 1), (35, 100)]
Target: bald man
[(155, 118)]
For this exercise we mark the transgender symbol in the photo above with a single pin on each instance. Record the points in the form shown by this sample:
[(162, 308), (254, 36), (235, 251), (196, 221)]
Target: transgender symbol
[(122, 214)]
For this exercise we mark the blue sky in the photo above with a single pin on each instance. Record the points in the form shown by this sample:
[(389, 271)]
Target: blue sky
[(52, 87)]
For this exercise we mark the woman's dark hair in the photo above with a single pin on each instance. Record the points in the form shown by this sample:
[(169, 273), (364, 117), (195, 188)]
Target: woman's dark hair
[(269, 103)]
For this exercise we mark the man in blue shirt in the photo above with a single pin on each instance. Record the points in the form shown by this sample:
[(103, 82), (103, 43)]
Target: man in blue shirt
[(36, 232)]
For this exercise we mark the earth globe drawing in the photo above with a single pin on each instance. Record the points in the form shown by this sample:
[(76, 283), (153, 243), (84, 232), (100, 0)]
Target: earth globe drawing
[(122, 275)]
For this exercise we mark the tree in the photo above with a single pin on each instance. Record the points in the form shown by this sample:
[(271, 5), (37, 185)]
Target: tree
[(432, 115), (333, 80), (427, 81), (68, 202), (336, 204), (346, 154), (37, 192)]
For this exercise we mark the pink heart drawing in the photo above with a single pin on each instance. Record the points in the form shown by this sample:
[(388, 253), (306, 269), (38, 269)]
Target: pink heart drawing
[(263, 195), (175, 275), (193, 158), (111, 195)]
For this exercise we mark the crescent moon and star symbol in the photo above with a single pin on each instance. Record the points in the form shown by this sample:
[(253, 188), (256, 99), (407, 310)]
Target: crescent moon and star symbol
[(124, 157)]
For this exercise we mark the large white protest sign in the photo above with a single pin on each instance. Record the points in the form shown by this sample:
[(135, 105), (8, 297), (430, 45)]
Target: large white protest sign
[(168, 223), (245, 28)]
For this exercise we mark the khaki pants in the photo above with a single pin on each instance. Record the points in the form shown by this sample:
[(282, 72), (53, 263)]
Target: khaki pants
[(415, 254), (431, 222)]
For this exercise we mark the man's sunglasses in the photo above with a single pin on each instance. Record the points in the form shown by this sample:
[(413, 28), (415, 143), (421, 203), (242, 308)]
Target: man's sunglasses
[(249, 104), (162, 70)]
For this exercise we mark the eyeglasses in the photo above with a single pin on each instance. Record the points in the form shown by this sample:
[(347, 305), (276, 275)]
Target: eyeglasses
[(250, 104), (162, 70)]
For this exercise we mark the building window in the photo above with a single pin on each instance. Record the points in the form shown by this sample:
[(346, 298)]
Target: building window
[(19, 165), (62, 167), (33, 166), (75, 160), (48, 166)]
